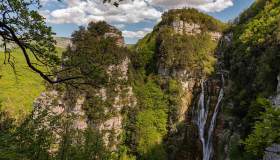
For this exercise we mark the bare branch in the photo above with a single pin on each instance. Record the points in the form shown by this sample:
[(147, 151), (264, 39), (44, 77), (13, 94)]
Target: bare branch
[(28, 61)]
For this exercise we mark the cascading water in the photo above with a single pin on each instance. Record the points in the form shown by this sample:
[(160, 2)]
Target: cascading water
[(201, 120)]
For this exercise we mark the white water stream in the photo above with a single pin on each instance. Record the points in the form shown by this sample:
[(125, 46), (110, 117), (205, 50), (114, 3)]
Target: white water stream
[(201, 120)]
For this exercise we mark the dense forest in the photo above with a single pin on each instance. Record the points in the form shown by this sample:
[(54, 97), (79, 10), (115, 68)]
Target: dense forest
[(194, 88)]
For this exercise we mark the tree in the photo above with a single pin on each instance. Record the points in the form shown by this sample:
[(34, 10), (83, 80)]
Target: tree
[(265, 134), (22, 26)]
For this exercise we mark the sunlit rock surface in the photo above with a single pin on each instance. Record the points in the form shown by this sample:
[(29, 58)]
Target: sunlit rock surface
[(272, 152), (182, 27)]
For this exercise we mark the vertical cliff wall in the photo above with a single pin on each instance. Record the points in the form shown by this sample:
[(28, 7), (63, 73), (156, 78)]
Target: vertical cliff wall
[(192, 89), (182, 47), (99, 99)]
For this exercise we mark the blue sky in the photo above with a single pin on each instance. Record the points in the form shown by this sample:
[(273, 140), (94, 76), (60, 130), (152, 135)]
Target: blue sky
[(135, 18)]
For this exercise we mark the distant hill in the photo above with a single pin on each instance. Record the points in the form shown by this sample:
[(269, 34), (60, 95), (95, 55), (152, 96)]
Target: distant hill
[(62, 42)]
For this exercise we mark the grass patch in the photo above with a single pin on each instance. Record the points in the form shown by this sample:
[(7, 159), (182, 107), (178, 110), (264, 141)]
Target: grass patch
[(18, 92)]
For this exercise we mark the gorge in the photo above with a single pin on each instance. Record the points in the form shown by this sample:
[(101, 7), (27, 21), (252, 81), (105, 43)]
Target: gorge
[(194, 88)]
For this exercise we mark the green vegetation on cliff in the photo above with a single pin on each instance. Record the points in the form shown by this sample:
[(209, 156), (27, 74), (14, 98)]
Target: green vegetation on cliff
[(252, 58), (266, 132), (36, 136), (165, 48), (158, 94), (186, 52), (151, 120)]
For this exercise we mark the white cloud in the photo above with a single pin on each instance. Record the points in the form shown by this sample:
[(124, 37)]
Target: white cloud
[(119, 26), (83, 11), (136, 34), (216, 6), (43, 2), (129, 11)]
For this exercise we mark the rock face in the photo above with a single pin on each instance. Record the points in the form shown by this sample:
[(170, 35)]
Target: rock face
[(114, 33), (272, 153), (179, 137), (55, 111), (276, 99), (57, 103), (123, 97), (216, 36), (188, 139), (111, 100), (183, 27), (95, 107)]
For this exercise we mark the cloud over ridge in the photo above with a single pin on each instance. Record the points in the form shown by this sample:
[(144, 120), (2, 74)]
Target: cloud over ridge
[(81, 12)]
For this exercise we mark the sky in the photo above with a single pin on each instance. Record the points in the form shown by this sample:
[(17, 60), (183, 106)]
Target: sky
[(135, 18)]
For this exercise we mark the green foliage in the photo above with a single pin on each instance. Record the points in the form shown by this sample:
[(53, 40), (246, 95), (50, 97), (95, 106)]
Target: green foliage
[(150, 95), (22, 26), (252, 58), (28, 141), (251, 12), (164, 47), (82, 145), (36, 138), (158, 98), (94, 52), (151, 126), (173, 92), (266, 132), (20, 87), (124, 155), (151, 121), (186, 52), (18, 91), (255, 110), (143, 56)]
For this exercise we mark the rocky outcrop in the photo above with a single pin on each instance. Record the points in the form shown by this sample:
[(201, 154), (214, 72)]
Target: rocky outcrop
[(58, 113), (188, 139), (123, 97), (66, 104), (183, 27), (215, 36), (95, 106), (275, 100), (58, 104), (116, 34), (272, 152)]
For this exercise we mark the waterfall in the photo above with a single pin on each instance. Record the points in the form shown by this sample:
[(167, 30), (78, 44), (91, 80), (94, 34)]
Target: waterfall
[(201, 120)]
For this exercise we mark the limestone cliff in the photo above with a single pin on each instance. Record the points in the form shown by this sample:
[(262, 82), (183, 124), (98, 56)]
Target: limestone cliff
[(108, 101), (184, 51), (185, 91)]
